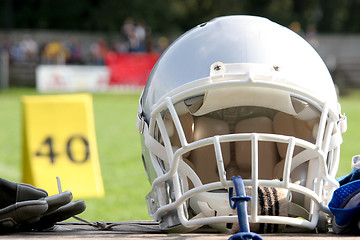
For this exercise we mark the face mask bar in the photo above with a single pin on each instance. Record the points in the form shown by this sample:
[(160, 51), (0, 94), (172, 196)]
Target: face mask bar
[(319, 150)]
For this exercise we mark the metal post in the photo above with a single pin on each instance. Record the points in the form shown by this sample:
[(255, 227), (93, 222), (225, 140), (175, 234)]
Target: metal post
[(4, 70)]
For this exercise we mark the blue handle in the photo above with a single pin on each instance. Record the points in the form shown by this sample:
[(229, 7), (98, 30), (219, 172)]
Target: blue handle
[(239, 202)]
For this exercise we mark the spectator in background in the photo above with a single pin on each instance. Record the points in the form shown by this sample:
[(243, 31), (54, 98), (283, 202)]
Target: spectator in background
[(162, 44), (296, 27), (128, 31), (5, 46), (311, 36), (98, 51), (140, 34), (133, 42), (41, 51), (127, 27), (137, 36), (76, 56), (29, 47), (55, 53), (16, 52), (148, 40), (119, 46)]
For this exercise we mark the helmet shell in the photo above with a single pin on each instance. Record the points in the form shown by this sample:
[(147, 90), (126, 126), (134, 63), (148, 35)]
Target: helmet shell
[(239, 39)]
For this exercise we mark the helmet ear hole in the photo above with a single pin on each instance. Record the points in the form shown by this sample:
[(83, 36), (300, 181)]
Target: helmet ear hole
[(298, 104), (194, 103), (304, 110)]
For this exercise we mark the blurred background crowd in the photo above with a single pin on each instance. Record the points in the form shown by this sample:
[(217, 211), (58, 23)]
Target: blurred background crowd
[(82, 32), (133, 37)]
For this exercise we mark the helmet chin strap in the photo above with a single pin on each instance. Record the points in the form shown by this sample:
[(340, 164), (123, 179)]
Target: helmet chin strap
[(239, 202)]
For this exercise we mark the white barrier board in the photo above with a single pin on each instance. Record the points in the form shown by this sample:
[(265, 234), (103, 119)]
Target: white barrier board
[(65, 78)]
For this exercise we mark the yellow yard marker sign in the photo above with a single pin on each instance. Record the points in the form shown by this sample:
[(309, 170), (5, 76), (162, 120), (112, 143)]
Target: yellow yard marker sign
[(59, 141)]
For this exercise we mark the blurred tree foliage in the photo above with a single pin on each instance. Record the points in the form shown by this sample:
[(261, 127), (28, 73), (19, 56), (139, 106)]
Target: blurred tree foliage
[(165, 16)]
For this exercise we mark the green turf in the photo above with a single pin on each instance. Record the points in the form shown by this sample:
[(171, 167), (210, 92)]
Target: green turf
[(351, 146), (119, 150), (120, 157)]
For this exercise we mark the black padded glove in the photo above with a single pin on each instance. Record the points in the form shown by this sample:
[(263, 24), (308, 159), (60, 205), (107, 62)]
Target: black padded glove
[(11, 192), (21, 213), (60, 208), (24, 207)]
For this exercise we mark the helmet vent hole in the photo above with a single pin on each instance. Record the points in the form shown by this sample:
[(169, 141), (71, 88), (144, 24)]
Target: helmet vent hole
[(229, 225), (194, 103)]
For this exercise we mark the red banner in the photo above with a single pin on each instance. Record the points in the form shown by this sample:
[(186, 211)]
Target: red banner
[(130, 68)]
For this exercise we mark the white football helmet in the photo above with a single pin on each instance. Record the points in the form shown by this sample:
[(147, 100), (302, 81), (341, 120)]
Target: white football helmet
[(240, 95)]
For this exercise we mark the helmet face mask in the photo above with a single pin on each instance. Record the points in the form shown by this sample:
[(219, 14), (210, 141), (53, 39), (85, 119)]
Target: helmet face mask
[(255, 115)]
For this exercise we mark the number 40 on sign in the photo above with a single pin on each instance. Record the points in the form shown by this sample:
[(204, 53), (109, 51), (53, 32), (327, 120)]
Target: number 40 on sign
[(59, 141), (74, 142)]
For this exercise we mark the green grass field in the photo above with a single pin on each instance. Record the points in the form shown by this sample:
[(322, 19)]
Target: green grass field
[(124, 178), (119, 150)]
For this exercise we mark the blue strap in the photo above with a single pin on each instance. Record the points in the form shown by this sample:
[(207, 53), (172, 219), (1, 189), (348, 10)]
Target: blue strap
[(239, 202), (344, 213)]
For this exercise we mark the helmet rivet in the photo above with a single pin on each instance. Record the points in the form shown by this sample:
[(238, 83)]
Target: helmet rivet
[(217, 67)]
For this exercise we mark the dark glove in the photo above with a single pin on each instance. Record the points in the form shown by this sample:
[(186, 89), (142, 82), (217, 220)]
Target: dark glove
[(24, 207), (21, 213), (11, 192), (60, 208)]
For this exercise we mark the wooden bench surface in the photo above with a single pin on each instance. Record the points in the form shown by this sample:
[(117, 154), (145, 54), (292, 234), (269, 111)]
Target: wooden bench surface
[(146, 229)]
